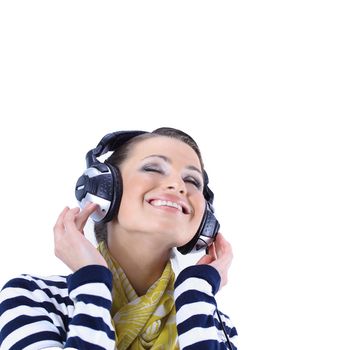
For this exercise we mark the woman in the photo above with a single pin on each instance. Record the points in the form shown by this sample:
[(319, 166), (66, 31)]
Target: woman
[(150, 196)]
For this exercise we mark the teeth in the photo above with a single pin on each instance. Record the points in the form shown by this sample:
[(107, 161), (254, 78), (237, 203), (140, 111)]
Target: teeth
[(159, 203)]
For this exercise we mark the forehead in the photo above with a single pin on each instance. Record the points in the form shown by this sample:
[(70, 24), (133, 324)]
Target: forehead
[(174, 149)]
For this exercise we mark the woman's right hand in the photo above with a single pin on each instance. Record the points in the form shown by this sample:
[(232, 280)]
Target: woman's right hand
[(71, 246), (220, 257)]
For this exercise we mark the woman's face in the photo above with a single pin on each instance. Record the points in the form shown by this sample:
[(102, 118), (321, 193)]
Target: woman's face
[(162, 191)]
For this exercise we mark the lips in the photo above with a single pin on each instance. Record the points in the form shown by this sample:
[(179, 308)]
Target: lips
[(172, 203)]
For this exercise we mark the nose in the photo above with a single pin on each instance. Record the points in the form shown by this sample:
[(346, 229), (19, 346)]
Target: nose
[(176, 184)]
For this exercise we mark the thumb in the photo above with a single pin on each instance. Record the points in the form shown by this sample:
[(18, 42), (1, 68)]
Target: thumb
[(84, 214)]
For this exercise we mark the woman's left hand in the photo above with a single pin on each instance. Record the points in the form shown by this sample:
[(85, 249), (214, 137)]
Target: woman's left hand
[(220, 257)]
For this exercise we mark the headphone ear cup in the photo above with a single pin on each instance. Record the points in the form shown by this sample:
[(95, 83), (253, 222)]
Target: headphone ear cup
[(101, 183), (205, 235), (117, 191)]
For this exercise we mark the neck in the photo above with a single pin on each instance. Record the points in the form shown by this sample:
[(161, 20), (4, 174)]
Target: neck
[(142, 260)]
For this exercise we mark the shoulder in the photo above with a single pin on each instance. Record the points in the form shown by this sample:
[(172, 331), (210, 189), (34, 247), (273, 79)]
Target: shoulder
[(30, 290), (29, 303), (55, 288), (34, 307), (31, 281)]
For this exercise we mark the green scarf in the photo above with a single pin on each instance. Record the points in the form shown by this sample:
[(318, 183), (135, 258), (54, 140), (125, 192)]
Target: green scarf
[(146, 322)]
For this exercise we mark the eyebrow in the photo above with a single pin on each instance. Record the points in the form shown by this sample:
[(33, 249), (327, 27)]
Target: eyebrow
[(168, 160)]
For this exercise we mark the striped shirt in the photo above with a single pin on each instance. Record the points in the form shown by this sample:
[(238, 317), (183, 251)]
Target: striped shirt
[(73, 312)]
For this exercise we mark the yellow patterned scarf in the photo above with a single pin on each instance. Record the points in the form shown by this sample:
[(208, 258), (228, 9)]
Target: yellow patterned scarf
[(146, 322)]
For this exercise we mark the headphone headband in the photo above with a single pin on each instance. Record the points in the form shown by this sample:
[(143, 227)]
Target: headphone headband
[(110, 142)]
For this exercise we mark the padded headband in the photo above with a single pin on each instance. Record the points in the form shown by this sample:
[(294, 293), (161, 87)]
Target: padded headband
[(109, 143)]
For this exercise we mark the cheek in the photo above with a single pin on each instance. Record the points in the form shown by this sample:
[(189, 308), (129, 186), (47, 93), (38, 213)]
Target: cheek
[(134, 191), (130, 199), (199, 209)]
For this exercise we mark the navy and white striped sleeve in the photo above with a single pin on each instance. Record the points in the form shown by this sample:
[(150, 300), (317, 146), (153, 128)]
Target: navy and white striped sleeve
[(197, 321), (37, 313), (91, 325)]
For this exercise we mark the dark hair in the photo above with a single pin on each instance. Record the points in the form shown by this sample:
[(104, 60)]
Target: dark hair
[(122, 152)]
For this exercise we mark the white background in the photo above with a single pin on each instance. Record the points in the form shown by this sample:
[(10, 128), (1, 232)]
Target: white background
[(263, 86)]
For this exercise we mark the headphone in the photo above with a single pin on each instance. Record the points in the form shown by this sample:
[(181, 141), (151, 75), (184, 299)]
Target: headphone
[(101, 183)]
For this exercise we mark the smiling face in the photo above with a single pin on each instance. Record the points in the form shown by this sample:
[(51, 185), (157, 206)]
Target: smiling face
[(162, 191)]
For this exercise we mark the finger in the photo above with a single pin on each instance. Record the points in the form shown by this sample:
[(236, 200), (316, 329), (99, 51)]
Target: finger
[(223, 249), (83, 216), (222, 244), (219, 244), (69, 220), (205, 259), (212, 251), (59, 223)]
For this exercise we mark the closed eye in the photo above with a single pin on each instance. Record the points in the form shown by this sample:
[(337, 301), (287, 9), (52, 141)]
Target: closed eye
[(193, 181), (157, 169), (154, 169)]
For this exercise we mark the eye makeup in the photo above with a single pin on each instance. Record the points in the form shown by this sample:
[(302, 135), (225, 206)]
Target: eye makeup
[(161, 163), (152, 167)]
